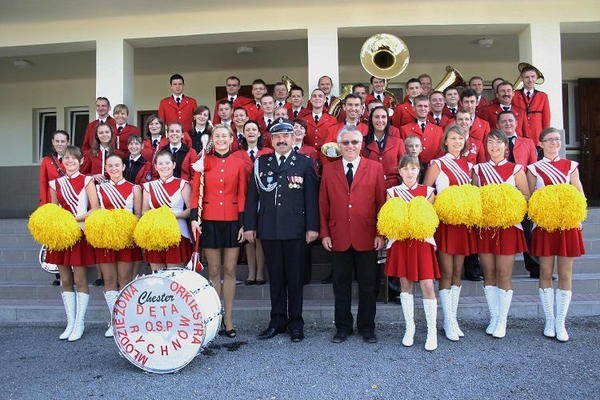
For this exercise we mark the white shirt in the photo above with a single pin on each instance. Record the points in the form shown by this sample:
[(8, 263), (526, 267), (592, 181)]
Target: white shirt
[(354, 162)]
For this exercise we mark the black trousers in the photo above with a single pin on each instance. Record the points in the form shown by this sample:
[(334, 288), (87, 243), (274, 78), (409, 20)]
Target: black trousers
[(343, 264), (285, 263)]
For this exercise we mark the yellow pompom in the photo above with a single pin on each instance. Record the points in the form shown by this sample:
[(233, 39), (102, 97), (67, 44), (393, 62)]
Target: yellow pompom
[(392, 219), (503, 206), (125, 222), (110, 229), (459, 205), (422, 219), (54, 227), (157, 230), (559, 206)]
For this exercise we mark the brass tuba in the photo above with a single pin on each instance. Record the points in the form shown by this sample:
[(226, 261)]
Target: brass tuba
[(453, 78), (288, 82), (519, 82), (382, 55)]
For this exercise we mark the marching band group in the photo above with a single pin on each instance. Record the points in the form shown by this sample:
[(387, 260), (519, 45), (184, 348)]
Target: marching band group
[(279, 174)]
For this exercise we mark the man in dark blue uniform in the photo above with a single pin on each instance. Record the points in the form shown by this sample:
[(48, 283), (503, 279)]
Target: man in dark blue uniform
[(282, 210)]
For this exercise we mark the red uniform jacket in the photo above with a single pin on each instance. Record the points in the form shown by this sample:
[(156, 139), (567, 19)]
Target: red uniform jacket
[(444, 121), (403, 114), (362, 127), (184, 158), (364, 118), (122, 137), (319, 134), (479, 129), (389, 158), (325, 106), (537, 110), (48, 171), (253, 111), (490, 114), (291, 115), (92, 164), (169, 111), (387, 100), (240, 101), (90, 131), (225, 185), (431, 140), (448, 113), (349, 215)]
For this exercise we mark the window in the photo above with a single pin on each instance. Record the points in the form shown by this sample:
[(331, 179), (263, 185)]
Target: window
[(78, 119), (45, 124)]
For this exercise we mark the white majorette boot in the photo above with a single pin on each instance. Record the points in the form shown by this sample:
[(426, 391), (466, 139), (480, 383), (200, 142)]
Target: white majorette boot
[(430, 308), (446, 300), (563, 299), (70, 308), (408, 309), (547, 300), (491, 295), (111, 297), (455, 291), (82, 303), (504, 300)]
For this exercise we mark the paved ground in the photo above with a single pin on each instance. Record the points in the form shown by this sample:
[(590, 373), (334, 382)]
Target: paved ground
[(524, 365)]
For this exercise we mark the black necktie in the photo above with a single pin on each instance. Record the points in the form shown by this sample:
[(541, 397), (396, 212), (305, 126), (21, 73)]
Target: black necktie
[(174, 150), (295, 114), (453, 111), (506, 108), (268, 122), (119, 129), (316, 119), (326, 102), (422, 126), (231, 99), (129, 164), (296, 148), (437, 120), (350, 175), (511, 147), (281, 160), (252, 157), (379, 97), (155, 143), (258, 106), (178, 100), (528, 94)]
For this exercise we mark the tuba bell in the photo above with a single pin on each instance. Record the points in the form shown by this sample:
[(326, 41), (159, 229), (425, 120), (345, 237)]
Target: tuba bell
[(519, 82), (453, 78), (288, 82)]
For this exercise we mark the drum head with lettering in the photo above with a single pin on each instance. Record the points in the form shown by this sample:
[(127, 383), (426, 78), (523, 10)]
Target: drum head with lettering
[(158, 323)]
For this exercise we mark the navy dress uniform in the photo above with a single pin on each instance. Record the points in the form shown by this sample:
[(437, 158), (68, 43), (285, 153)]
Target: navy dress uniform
[(282, 209)]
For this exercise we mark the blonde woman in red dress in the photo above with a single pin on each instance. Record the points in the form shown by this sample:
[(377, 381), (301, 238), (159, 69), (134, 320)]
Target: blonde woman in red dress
[(497, 247), (454, 242), (414, 260), (117, 266), (560, 246), (75, 193)]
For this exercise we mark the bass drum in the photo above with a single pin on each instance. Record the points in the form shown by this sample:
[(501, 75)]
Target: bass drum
[(50, 268), (162, 321)]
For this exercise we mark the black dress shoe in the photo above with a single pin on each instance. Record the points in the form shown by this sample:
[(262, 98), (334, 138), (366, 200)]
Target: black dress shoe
[(260, 282), (268, 333), (249, 282), (340, 337), (369, 337), (99, 282), (296, 336)]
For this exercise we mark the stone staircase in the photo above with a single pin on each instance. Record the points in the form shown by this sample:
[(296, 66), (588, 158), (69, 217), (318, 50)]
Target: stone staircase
[(27, 296)]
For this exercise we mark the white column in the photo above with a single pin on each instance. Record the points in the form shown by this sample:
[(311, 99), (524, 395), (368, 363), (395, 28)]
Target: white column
[(114, 72), (539, 45), (323, 56)]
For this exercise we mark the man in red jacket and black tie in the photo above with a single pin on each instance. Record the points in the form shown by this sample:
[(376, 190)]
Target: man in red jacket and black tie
[(177, 107), (352, 192)]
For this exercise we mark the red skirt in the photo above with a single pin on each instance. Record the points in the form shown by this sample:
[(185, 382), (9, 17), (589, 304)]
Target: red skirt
[(568, 243), (456, 239), (501, 241), (80, 255), (128, 254), (179, 254), (414, 260)]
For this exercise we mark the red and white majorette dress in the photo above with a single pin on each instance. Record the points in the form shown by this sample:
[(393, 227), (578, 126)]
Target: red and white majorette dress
[(169, 193), (564, 243), (412, 259), (454, 239), (72, 196), (117, 196), (500, 241)]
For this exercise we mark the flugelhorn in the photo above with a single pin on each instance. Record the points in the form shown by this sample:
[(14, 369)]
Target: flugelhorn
[(519, 82), (453, 78)]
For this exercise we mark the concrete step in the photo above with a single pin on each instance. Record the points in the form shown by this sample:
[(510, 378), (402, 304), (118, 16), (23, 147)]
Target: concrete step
[(250, 314)]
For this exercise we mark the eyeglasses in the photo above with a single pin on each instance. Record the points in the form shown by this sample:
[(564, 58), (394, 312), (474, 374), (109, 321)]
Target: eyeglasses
[(552, 140), (350, 142), (495, 142)]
